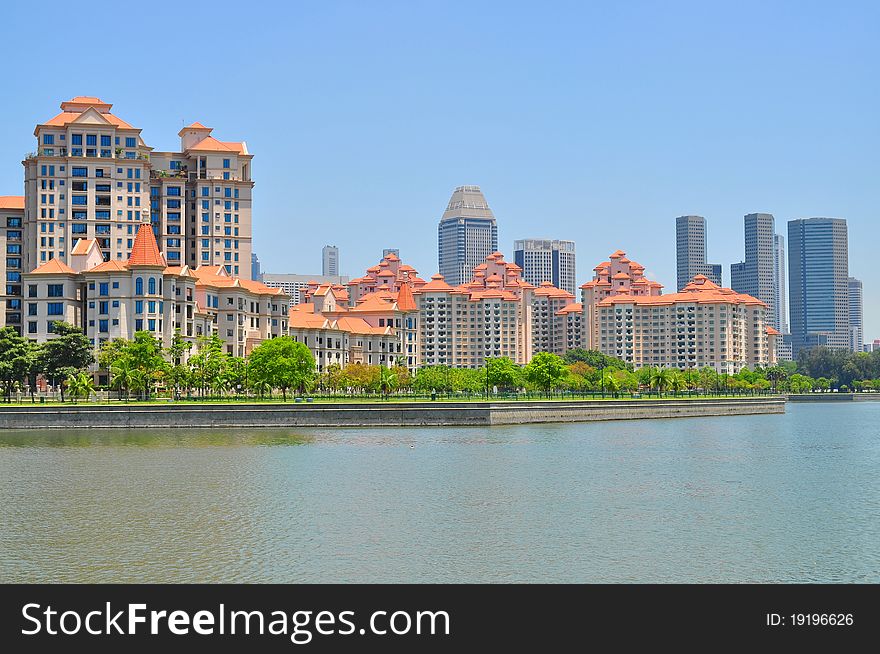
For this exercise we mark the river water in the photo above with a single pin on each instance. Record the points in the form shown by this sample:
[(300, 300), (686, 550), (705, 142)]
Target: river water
[(778, 498)]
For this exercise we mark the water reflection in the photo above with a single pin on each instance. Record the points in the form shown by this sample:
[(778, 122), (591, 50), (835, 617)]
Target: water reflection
[(742, 499)]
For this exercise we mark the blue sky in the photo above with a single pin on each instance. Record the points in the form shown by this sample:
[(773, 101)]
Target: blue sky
[(597, 122)]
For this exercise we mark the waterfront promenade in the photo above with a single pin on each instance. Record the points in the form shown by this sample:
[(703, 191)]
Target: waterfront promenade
[(378, 414)]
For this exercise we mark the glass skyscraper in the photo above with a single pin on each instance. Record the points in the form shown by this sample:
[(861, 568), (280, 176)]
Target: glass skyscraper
[(818, 274), (690, 251), (467, 235)]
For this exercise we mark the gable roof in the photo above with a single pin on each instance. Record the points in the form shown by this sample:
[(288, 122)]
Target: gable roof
[(84, 246), (11, 202)]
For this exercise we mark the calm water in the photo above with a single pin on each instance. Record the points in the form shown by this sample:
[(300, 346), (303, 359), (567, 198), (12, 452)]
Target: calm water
[(791, 498)]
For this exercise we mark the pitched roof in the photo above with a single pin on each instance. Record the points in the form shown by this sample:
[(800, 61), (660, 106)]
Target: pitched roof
[(145, 251), (11, 202), (574, 307), (405, 299), (437, 283), (109, 266), (212, 144), (53, 267), (83, 246)]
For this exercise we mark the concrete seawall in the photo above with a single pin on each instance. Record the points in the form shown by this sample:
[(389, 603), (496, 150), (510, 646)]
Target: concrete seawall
[(379, 414), (835, 397)]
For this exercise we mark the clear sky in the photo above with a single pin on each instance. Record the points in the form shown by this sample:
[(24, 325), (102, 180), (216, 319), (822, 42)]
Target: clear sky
[(597, 122)]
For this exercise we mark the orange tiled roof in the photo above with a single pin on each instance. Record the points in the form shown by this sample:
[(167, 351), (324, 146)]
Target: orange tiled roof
[(145, 251), (83, 246), (700, 290), (437, 283), (109, 266), (11, 202), (574, 307), (53, 267), (405, 299), (212, 144), (773, 331)]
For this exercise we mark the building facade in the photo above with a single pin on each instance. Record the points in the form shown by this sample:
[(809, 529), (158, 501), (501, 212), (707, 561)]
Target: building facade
[(330, 261), (544, 260), (757, 275), (856, 315), (467, 234), (294, 285), (12, 242), (93, 176), (779, 265), (690, 251), (818, 267), (549, 320)]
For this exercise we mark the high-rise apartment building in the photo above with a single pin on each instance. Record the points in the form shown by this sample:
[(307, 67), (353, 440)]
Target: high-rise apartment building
[(690, 250), (818, 267), (544, 260), (779, 265), (11, 241), (856, 315), (467, 234), (330, 261), (93, 176), (756, 276), (294, 285)]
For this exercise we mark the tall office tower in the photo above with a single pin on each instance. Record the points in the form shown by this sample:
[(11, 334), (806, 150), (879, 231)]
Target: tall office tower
[(818, 273), (394, 251), (690, 248), (467, 234), (256, 271), (856, 315), (756, 276), (330, 260), (544, 260), (779, 263), (11, 221), (93, 176)]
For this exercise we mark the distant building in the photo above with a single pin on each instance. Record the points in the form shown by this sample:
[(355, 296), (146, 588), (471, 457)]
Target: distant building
[(466, 236), (394, 251), (872, 346), (626, 316), (690, 249), (330, 261), (544, 260), (256, 273), (856, 315), (756, 276), (818, 267), (293, 285), (11, 242), (779, 265)]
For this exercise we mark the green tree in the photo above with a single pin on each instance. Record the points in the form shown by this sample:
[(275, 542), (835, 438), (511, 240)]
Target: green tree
[(145, 354), (80, 384), (283, 363), (660, 378), (501, 372), (387, 380), (677, 381), (178, 370), (124, 376), (207, 362), (69, 351), (17, 356), (546, 370), (595, 359)]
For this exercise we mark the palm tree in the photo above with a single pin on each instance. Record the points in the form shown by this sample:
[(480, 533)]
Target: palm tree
[(677, 381), (80, 385), (610, 382), (122, 375), (660, 378), (387, 380), (261, 387)]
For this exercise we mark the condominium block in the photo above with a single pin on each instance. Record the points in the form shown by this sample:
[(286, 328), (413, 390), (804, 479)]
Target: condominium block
[(545, 260), (758, 274), (330, 261), (856, 315)]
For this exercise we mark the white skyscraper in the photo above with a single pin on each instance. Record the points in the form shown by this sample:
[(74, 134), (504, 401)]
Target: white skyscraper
[(544, 260), (467, 234), (757, 275), (330, 260)]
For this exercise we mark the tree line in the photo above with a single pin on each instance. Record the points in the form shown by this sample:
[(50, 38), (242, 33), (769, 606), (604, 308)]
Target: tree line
[(141, 367)]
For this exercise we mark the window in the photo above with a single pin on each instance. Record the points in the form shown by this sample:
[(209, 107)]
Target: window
[(151, 285), (226, 163), (91, 139), (138, 306), (104, 288), (130, 142), (139, 286), (79, 171), (103, 325), (55, 290), (55, 308), (48, 139)]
